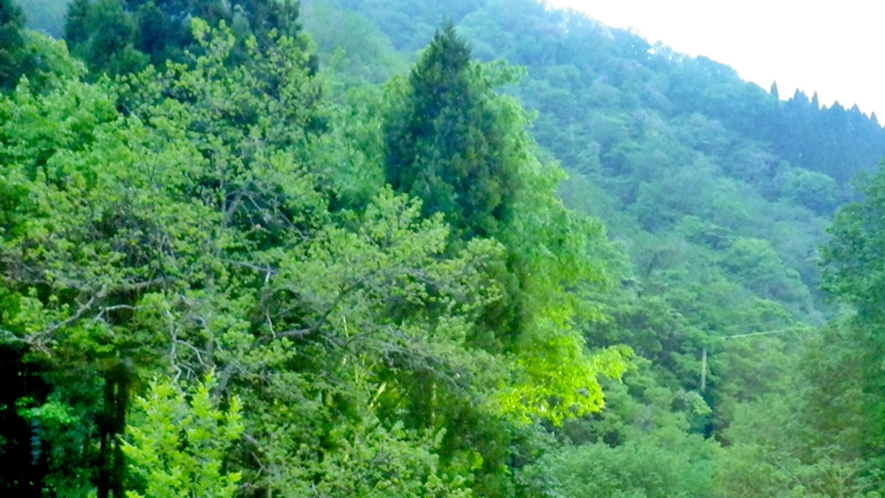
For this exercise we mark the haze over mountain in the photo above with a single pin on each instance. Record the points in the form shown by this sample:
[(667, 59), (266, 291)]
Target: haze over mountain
[(816, 48)]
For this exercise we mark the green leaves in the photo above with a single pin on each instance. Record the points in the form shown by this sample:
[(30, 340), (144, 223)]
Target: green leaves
[(447, 145), (375, 461), (177, 445), (465, 152), (195, 219), (656, 466), (556, 379), (124, 36), (851, 264), (13, 58)]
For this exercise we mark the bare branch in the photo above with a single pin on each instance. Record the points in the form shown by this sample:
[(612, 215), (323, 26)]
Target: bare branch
[(40, 338), (76, 316)]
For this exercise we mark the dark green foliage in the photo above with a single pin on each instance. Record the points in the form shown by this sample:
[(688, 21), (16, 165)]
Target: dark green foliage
[(446, 146), (121, 36), (22, 443), (106, 33), (76, 29), (13, 58)]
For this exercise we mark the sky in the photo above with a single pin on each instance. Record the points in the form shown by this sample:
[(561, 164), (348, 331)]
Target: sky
[(831, 47)]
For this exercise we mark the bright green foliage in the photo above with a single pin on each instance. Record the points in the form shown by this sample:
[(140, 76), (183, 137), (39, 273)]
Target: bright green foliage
[(374, 461), (183, 221), (557, 281), (557, 381), (178, 445)]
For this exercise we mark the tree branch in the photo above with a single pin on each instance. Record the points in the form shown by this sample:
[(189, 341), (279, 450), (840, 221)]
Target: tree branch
[(39, 339)]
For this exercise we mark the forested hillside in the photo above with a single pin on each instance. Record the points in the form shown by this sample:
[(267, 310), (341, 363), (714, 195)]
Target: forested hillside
[(390, 248)]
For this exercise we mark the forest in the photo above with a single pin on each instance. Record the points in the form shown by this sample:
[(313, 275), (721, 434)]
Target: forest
[(410, 248)]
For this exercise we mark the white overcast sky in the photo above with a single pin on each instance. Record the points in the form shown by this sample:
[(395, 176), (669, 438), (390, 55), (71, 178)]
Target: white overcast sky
[(832, 47)]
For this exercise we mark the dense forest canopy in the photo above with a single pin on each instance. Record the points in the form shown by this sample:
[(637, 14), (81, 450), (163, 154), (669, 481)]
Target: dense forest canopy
[(410, 248)]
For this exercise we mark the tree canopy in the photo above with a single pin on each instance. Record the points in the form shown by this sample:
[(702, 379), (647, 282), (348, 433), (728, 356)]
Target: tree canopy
[(257, 248)]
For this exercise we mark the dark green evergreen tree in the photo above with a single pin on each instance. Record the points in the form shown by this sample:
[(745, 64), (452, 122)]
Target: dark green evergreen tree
[(153, 33), (444, 144), (76, 29), (12, 56), (109, 43), (118, 36)]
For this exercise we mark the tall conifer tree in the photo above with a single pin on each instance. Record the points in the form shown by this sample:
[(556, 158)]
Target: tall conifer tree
[(11, 43), (445, 144)]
